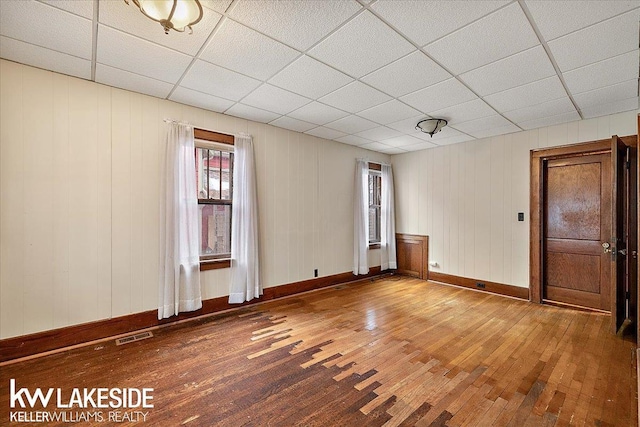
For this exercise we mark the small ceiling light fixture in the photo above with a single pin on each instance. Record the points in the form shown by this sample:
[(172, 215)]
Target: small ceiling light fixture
[(175, 15), (431, 126)]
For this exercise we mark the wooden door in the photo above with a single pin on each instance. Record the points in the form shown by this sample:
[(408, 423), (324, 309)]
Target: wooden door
[(577, 223)]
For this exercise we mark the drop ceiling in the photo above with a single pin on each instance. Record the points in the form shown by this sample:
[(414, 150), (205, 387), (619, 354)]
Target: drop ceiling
[(359, 72)]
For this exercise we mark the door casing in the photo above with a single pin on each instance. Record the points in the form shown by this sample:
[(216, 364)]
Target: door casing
[(536, 205)]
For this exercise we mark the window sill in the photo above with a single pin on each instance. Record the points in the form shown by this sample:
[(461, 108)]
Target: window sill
[(374, 245), (214, 264)]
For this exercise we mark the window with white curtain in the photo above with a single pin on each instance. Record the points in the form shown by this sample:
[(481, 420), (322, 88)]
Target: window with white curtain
[(214, 172), (375, 195)]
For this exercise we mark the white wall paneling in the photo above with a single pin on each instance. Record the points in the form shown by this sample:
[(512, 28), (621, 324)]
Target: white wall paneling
[(79, 170), (466, 197)]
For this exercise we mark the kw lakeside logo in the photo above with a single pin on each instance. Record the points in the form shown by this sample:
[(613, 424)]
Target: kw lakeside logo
[(81, 404)]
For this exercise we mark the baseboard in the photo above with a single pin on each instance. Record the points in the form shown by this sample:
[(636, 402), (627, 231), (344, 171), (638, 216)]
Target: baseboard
[(40, 342), (492, 287)]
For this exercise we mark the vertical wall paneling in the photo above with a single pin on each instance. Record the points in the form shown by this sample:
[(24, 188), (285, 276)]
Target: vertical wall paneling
[(60, 196), (136, 210), (482, 196), (510, 219), (38, 201), (497, 207), (150, 142), (103, 200), (471, 215), (12, 199), (121, 182), (470, 212), (83, 196)]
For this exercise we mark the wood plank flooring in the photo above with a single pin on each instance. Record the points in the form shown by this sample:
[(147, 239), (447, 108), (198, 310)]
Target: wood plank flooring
[(393, 352)]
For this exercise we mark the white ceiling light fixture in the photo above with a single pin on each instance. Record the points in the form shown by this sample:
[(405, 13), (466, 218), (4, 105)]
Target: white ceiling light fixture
[(431, 126), (175, 15)]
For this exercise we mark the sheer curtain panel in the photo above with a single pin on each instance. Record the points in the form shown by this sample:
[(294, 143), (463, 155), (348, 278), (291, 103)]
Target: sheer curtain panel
[(179, 252), (387, 221), (245, 265), (361, 218)]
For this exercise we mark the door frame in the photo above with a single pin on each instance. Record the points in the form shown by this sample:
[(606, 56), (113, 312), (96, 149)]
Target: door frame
[(536, 206)]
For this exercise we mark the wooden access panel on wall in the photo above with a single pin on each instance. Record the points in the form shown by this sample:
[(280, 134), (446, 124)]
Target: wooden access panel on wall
[(412, 253)]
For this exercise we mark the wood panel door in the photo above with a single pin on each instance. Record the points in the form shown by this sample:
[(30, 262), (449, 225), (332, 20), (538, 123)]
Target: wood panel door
[(577, 223)]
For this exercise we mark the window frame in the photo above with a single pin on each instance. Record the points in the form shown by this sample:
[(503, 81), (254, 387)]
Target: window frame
[(220, 142), (376, 170)]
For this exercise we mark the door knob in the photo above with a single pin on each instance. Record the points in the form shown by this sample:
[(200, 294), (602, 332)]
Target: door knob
[(607, 247)]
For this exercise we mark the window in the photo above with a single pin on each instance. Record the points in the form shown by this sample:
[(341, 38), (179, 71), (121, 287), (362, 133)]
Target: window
[(375, 192), (214, 177)]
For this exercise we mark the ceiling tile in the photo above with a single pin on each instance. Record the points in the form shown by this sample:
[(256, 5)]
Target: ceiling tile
[(326, 133), (363, 45), (530, 94), (556, 18), (422, 145), (36, 56), (353, 140), (487, 126), (246, 51), (410, 17), (159, 63), (413, 72), (310, 78), (493, 37), (300, 23), (125, 80), (402, 141), (219, 6), (453, 139), (439, 96), (464, 112), (407, 125), (317, 113), (271, 98), (389, 112), (595, 43), (46, 26), (375, 146), (292, 124), (129, 19), (218, 81), (516, 70), (607, 94), (571, 116), (379, 133), (604, 73), (351, 124), (200, 99), (393, 151), (355, 97), (251, 113), (630, 104), (546, 109), (82, 8)]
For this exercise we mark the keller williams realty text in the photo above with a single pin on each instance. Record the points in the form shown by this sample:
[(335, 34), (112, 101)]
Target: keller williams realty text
[(124, 404)]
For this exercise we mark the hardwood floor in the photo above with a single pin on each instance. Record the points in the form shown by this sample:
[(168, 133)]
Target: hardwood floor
[(393, 352)]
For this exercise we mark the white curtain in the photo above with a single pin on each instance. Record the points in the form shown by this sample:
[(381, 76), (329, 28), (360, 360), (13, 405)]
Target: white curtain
[(387, 221), (179, 251), (361, 218), (245, 266)]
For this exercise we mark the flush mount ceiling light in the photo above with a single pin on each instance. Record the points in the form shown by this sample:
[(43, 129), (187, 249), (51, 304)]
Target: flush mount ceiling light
[(175, 15), (431, 126)]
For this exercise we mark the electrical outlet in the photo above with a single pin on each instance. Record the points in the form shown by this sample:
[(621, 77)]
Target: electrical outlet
[(480, 285), (315, 273)]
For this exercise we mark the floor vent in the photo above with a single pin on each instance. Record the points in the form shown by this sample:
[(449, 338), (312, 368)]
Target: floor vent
[(132, 338)]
